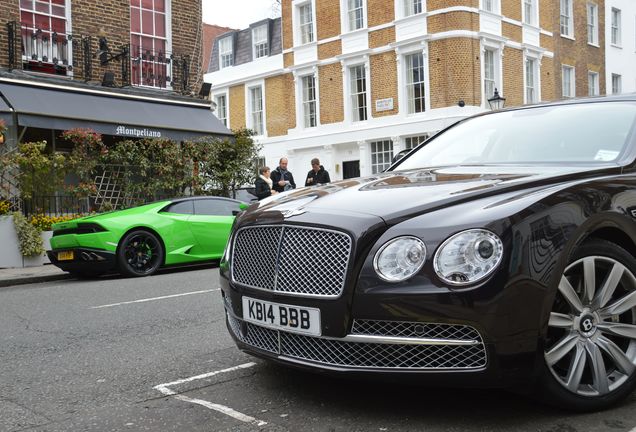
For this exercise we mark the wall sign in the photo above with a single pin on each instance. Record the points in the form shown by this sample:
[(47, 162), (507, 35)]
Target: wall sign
[(137, 132), (384, 104)]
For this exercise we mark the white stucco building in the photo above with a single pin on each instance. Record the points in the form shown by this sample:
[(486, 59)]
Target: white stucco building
[(620, 46)]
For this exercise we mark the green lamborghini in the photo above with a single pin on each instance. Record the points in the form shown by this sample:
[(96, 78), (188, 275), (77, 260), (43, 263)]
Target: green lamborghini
[(138, 241)]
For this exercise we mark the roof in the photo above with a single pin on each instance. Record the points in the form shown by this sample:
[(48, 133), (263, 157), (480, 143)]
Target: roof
[(242, 43), (210, 33)]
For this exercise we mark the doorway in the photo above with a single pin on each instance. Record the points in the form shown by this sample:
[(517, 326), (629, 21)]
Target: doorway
[(350, 169)]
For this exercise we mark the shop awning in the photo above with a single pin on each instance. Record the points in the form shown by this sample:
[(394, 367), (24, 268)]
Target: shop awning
[(109, 113)]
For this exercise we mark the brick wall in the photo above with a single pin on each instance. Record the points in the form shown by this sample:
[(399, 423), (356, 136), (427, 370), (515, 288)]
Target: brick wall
[(237, 107), (280, 104), (379, 12), (513, 67), (328, 18), (454, 70), (382, 37), (111, 19), (329, 49), (452, 21), (331, 93), (384, 81), (442, 4)]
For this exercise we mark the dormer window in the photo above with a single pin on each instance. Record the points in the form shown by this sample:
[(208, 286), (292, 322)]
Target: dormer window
[(226, 53), (259, 41)]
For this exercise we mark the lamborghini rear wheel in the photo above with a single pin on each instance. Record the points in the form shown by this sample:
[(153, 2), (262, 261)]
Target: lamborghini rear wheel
[(140, 253)]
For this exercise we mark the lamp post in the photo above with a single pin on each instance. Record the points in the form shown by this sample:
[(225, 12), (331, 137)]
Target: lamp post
[(496, 102)]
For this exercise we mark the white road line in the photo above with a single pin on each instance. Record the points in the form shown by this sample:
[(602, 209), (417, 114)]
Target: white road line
[(154, 298), (163, 388)]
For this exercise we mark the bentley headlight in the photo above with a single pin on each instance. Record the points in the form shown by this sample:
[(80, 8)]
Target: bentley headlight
[(400, 258), (468, 257)]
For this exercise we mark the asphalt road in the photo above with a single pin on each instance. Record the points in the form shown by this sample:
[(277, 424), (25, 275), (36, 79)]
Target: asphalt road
[(153, 354)]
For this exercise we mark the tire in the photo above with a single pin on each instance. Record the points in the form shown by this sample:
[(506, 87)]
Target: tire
[(589, 357), (140, 253)]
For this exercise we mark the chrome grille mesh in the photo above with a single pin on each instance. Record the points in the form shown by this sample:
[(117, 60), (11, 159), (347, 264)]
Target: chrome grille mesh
[(414, 329), (337, 352), (297, 260)]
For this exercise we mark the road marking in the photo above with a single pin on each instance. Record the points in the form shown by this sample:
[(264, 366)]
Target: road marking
[(154, 298), (163, 388)]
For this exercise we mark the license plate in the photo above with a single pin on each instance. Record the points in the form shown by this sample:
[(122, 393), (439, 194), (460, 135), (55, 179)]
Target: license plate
[(291, 318), (65, 256)]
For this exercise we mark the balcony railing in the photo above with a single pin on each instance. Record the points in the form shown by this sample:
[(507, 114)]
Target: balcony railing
[(65, 54)]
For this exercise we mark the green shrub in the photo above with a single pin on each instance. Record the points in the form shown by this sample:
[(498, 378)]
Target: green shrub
[(28, 236)]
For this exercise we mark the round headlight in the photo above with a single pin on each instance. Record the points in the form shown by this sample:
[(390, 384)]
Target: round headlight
[(400, 258), (468, 257)]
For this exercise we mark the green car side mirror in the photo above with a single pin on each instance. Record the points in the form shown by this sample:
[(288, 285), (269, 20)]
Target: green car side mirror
[(243, 206)]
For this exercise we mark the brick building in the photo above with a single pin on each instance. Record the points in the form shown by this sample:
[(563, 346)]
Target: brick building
[(126, 68), (356, 81)]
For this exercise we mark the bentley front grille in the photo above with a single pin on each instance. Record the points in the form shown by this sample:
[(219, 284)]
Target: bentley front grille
[(295, 260), (430, 349)]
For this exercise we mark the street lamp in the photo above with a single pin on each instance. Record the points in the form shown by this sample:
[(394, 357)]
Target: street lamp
[(496, 102)]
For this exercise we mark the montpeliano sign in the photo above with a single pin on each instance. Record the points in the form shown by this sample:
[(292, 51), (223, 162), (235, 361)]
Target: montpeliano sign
[(137, 132)]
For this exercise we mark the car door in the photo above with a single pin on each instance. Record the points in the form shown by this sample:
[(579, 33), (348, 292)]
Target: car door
[(211, 224), (177, 235)]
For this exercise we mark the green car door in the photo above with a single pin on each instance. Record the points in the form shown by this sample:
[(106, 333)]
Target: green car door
[(211, 224)]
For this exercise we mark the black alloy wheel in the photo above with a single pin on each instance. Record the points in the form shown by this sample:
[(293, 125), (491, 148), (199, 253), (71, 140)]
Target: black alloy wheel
[(140, 253), (590, 350)]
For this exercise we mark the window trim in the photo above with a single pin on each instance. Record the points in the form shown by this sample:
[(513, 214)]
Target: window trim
[(620, 83), (392, 149), (349, 117), (266, 42), (301, 92), (593, 25), (248, 106), (597, 88), (570, 19), (403, 94), (618, 43), (537, 78), (496, 6), (497, 48), (344, 17), (572, 81), (534, 19), (229, 38), (297, 32), (224, 94)]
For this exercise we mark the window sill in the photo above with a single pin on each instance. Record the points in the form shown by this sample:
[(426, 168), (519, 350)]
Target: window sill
[(616, 46), (595, 45), (564, 36)]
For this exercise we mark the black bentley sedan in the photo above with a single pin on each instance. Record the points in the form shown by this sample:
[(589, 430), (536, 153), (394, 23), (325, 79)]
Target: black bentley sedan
[(499, 253)]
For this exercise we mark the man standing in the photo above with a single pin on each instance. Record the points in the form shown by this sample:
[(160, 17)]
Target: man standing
[(283, 180), (317, 175)]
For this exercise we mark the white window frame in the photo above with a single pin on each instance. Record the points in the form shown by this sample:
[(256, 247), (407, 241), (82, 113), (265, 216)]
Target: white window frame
[(593, 86), (409, 95), (413, 141), (566, 18), (216, 97), (249, 113), (351, 95), (592, 24), (535, 85), (345, 17), (497, 49), (347, 66), (571, 87), (304, 103), (225, 53), (299, 25), (375, 167), (492, 6), (260, 47), (533, 17), (617, 83), (616, 27), (410, 7)]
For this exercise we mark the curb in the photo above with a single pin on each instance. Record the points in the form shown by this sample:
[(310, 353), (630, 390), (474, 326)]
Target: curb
[(33, 279)]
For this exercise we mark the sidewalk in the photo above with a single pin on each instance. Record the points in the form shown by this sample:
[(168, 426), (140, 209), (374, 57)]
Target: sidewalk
[(27, 275)]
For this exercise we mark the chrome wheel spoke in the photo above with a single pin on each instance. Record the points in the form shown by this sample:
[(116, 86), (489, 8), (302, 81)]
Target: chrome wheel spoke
[(623, 363), (577, 367), (620, 306), (599, 373), (560, 320), (561, 349), (570, 295), (618, 329), (589, 280), (609, 286)]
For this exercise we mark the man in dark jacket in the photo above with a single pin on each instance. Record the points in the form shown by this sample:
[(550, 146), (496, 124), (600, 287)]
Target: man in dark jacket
[(317, 175), (282, 179)]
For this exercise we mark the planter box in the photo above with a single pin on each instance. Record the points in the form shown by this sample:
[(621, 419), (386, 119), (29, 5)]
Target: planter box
[(10, 255)]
